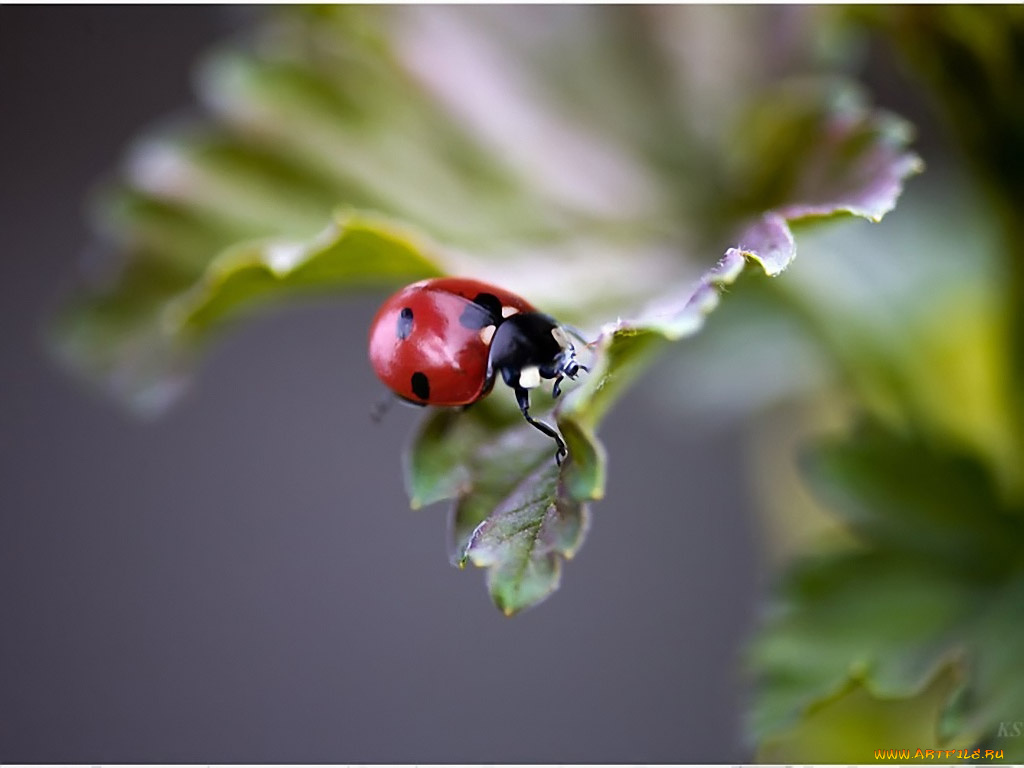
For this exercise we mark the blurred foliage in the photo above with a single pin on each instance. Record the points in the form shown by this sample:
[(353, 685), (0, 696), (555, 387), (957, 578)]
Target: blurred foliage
[(600, 161), (935, 576), (924, 333), (842, 727), (972, 64)]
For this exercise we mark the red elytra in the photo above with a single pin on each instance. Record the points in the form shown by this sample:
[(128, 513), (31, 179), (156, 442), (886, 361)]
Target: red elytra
[(426, 341)]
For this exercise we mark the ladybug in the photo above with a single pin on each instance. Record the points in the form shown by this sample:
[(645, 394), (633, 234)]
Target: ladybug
[(445, 340)]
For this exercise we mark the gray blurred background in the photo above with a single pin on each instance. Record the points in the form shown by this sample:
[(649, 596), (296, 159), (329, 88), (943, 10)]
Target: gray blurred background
[(242, 580)]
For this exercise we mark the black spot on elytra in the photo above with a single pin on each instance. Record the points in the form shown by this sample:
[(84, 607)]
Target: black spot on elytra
[(489, 302), (421, 385), (475, 317), (404, 323), (485, 310)]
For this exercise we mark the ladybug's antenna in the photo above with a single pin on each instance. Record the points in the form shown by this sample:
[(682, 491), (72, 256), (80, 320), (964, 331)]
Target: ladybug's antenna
[(576, 332)]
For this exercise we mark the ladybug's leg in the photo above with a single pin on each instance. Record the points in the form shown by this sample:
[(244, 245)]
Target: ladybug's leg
[(556, 390), (523, 398), (382, 406)]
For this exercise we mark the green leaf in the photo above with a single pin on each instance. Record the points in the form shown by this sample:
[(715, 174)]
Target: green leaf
[(525, 538), (339, 107), (814, 148), (511, 513), (515, 513), (856, 726), (113, 336), (327, 98), (958, 519), (326, 108), (936, 574), (354, 251), (896, 313), (971, 59), (624, 348), (436, 461), (869, 614), (139, 336), (621, 354), (247, 189), (996, 696)]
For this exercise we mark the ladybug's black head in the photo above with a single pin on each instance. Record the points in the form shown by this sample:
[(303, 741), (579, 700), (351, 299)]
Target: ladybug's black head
[(526, 348), (529, 347)]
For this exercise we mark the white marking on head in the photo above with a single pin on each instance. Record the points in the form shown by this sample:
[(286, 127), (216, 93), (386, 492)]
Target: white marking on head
[(561, 337), (509, 311), (529, 377), (487, 333)]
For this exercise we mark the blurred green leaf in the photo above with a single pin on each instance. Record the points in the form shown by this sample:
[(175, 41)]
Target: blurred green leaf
[(940, 555), (327, 91), (112, 335), (870, 614), (996, 696), (856, 726), (924, 503), (322, 108), (140, 335), (971, 60), (354, 251), (862, 175), (623, 350), (898, 315), (814, 148)]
